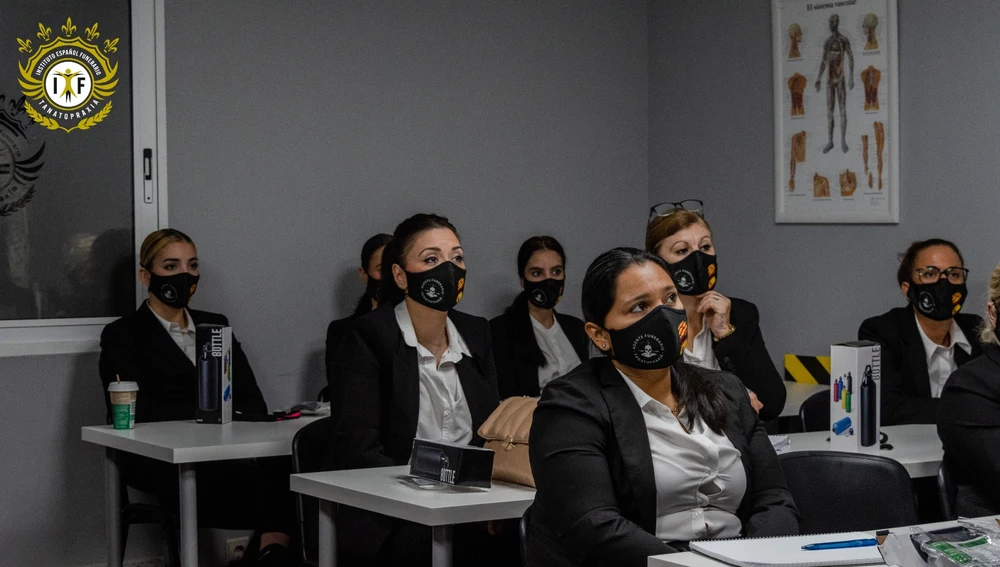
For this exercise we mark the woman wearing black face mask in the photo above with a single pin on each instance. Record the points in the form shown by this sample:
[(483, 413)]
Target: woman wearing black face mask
[(532, 343), (725, 331), (155, 347), (371, 274), (924, 342), (968, 420), (620, 447), (413, 368)]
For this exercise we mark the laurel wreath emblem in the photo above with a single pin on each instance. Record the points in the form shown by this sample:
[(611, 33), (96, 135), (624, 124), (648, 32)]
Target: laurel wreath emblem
[(11, 208), (83, 124)]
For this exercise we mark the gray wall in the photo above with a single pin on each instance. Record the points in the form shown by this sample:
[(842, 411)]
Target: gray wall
[(298, 134), (296, 131), (710, 137)]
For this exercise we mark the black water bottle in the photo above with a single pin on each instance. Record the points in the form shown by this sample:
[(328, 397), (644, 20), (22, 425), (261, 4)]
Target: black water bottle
[(869, 401), (208, 379)]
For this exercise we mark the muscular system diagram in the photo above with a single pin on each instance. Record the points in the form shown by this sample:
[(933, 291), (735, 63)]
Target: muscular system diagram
[(798, 155), (870, 78), (848, 183), (864, 149), (796, 85), (868, 26), (835, 49), (795, 36), (879, 146), (821, 186)]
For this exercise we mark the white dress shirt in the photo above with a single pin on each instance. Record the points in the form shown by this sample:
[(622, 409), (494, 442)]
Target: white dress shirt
[(560, 356), (444, 412), (183, 336), (940, 359), (699, 349), (700, 479)]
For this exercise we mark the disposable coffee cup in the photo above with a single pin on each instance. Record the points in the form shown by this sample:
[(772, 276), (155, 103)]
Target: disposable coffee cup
[(123, 395)]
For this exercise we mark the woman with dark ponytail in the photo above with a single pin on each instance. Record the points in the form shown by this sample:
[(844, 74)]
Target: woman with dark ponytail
[(532, 343), (415, 367), (370, 271), (637, 453)]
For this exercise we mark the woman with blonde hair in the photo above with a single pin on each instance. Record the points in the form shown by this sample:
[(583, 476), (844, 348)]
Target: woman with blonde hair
[(155, 347), (725, 331), (968, 420)]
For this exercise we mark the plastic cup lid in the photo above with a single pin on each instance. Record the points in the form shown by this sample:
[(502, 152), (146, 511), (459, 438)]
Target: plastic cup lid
[(123, 387)]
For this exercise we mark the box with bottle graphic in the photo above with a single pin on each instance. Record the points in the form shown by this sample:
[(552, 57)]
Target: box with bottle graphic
[(855, 411), (214, 353)]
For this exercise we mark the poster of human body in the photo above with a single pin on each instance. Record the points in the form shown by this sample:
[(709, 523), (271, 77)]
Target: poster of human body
[(835, 102)]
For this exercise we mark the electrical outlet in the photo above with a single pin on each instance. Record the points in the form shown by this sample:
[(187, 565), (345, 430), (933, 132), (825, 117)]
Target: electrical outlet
[(235, 548)]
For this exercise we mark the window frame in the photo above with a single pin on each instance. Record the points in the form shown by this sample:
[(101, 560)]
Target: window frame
[(33, 337)]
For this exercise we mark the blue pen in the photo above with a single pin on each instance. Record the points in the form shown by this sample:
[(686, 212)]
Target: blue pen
[(841, 544)]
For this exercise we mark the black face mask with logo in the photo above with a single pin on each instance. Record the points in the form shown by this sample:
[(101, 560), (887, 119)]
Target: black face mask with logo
[(546, 293), (175, 290), (439, 288), (939, 301), (695, 274), (655, 341)]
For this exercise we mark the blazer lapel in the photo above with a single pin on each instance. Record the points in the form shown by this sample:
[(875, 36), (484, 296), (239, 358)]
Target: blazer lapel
[(916, 356), (633, 442), (163, 344), (406, 388), (470, 376)]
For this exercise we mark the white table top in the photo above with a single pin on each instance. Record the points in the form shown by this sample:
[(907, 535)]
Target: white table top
[(796, 393), (692, 559), (376, 490), (189, 442), (916, 447)]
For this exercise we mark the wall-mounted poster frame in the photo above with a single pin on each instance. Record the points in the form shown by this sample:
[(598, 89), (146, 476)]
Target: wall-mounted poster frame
[(836, 101)]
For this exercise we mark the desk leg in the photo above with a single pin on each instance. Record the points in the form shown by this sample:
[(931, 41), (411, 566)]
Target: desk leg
[(189, 515), (442, 548), (113, 506), (327, 534)]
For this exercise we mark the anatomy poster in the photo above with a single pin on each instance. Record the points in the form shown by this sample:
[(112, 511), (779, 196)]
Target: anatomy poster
[(835, 103)]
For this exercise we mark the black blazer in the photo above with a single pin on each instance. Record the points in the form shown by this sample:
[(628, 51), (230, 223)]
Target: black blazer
[(335, 333), (744, 354), (516, 374), (906, 383), (968, 422), (376, 402), (138, 348), (596, 494)]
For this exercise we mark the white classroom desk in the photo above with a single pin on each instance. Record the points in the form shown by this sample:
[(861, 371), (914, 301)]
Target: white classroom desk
[(916, 447), (376, 490), (184, 443), (796, 394), (692, 559)]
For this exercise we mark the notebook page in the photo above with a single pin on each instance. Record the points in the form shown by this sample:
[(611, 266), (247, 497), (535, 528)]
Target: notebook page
[(787, 551)]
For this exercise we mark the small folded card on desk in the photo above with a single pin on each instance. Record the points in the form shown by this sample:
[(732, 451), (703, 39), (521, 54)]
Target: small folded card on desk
[(452, 463), (787, 551)]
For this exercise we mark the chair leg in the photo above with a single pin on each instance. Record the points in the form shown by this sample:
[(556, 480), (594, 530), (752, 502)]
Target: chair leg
[(173, 543), (124, 532)]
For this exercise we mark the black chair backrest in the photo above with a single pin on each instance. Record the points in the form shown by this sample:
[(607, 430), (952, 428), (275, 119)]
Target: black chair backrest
[(947, 491), (815, 412), (840, 492), (310, 447), (523, 533)]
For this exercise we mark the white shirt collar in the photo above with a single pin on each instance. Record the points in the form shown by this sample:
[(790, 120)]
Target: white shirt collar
[(541, 328), (170, 326), (456, 344), (957, 338)]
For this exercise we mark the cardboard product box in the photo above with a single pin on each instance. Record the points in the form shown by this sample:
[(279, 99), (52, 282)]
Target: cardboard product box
[(855, 409), (214, 358), (452, 463)]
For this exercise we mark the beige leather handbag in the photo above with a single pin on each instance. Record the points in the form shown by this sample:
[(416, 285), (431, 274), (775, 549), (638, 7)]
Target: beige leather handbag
[(506, 432)]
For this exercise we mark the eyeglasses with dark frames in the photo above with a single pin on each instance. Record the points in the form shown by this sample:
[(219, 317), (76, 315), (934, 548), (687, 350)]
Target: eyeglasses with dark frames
[(667, 209)]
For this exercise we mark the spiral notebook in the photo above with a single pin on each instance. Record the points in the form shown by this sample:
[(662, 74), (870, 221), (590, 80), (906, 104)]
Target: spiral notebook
[(787, 551)]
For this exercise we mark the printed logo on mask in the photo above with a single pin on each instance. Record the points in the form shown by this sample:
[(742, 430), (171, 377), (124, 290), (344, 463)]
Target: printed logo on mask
[(168, 291), (925, 301), (682, 334), (539, 296), (432, 291), (648, 348), (684, 279)]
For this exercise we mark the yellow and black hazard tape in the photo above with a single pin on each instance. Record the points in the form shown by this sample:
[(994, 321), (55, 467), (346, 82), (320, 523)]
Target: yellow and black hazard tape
[(807, 369)]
